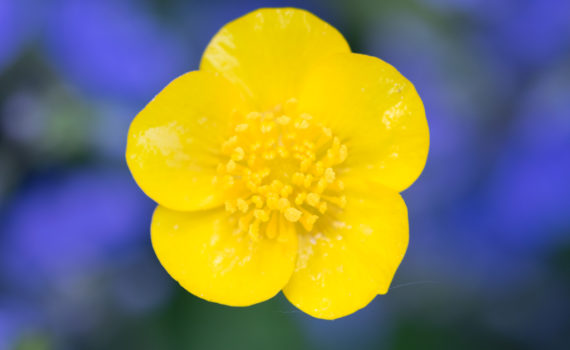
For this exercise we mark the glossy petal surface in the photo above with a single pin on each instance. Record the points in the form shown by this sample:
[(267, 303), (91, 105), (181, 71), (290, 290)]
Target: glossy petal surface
[(268, 52), (173, 143), (377, 110), (205, 254), (354, 258)]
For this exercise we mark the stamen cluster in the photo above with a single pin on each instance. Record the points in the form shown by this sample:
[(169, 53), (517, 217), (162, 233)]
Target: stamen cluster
[(281, 166)]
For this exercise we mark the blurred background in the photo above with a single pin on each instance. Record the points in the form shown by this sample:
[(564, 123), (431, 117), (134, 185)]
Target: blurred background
[(488, 265)]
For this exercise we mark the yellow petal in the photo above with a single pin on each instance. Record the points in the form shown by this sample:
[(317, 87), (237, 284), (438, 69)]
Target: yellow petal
[(268, 51), (377, 110), (173, 143), (354, 258), (205, 254)]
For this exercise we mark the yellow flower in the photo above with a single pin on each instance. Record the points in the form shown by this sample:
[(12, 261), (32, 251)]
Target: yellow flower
[(277, 166)]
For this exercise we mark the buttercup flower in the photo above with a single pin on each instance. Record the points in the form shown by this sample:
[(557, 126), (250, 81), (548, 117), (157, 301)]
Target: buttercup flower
[(277, 166)]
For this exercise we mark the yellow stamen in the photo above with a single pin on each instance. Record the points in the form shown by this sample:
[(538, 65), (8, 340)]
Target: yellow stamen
[(308, 221), (292, 214), (242, 205), (286, 162), (313, 199)]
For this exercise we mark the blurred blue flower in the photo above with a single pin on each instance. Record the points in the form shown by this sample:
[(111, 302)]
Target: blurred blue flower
[(527, 198), (16, 27), (526, 33), (114, 48), (501, 229), (70, 223), (482, 258), (74, 247)]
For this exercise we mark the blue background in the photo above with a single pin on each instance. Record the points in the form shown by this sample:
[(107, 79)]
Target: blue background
[(488, 265)]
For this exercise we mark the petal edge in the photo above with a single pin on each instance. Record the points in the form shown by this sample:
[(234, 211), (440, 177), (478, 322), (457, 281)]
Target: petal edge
[(172, 143), (377, 110), (341, 270), (267, 52), (202, 251)]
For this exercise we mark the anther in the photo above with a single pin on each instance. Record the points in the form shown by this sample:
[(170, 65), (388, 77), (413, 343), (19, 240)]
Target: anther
[(230, 206), (300, 198), (292, 214), (286, 191), (330, 175), (254, 230), (251, 160), (321, 185), (283, 203), (238, 154), (282, 152), (308, 221), (276, 185), (261, 214), (298, 179), (305, 164), (257, 201), (323, 207), (242, 205), (266, 128), (272, 201), (313, 199), (231, 166), (228, 145), (319, 168), (308, 180)]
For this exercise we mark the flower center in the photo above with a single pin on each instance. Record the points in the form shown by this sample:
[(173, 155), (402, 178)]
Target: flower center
[(281, 166)]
